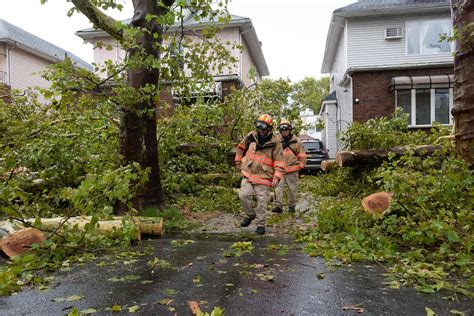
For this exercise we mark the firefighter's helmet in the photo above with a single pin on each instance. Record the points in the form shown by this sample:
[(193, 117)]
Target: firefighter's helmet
[(264, 121), (285, 125)]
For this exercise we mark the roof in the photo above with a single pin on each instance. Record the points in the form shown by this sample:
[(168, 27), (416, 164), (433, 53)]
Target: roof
[(14, 35), (244, 24), (377, 5), (331, 96), (374, 8)]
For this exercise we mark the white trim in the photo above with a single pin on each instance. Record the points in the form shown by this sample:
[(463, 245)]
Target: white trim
[(420, 40), (412, 123), (432, 105)]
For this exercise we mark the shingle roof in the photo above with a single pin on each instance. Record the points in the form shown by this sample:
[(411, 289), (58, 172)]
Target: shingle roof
[(188, 22), (369, 5), (10, 32), (331, 96)]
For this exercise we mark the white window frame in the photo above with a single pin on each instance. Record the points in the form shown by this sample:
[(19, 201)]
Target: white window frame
[(432, 107), (407, 38)]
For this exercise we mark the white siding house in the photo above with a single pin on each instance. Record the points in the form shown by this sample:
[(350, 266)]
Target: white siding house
[(386, 53), (23, 56)]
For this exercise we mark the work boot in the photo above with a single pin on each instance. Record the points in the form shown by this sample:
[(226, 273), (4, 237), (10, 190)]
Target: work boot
[(246, 221), (260, 230), (291, 209), (277, 209)]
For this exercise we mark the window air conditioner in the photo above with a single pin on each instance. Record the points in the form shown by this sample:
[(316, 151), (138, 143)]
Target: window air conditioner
[(393, 32)]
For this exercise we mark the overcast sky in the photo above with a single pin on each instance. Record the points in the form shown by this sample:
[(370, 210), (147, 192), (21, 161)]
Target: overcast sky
[(292, 32)]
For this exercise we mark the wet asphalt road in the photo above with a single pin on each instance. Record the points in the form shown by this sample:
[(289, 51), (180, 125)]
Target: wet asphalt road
[(300, 285)]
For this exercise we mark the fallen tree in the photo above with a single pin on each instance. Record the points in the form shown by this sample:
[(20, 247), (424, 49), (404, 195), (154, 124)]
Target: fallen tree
[(17, 238), (352, 158), (327, 165)]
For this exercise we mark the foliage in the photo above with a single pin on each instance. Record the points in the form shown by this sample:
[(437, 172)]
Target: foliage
[(310, 92), (387, 132), (425, 236), (239, 248)]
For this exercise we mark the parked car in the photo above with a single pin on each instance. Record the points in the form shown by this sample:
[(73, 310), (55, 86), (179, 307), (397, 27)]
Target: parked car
[(316, 154)]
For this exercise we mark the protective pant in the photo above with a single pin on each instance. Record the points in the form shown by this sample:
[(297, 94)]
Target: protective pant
[(247, 192), (291, 179)]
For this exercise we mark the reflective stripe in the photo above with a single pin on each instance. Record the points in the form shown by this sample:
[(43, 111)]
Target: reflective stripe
[(241, 146), (259, 180), (279, 163), (301, 165), (238, 157), (260, 159), (278, 174), (292, 168)]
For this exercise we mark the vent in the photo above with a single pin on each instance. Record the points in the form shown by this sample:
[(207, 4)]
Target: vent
[(393, 32)]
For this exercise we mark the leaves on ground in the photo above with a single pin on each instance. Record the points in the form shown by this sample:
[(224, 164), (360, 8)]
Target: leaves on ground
[(170, 292)]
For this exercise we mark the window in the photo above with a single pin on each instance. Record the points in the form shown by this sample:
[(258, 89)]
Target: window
[(423, 37), (426, 106)]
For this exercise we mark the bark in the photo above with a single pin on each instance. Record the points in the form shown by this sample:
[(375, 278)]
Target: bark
[(463, 110), (377, 156)]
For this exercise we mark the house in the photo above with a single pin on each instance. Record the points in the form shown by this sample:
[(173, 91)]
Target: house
[(383, 54), (23, 55), (238, 30), (310, 120)]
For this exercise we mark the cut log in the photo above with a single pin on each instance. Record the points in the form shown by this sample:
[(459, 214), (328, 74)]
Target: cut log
[(327, 165), (377, 156), (145, 225), (20, 241), (377, 203), (16, 239)]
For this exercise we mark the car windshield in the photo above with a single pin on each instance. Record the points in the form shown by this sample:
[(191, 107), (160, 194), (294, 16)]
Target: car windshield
[(309, 146)]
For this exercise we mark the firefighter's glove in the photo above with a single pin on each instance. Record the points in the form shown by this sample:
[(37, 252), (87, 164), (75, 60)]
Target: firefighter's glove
[(275, 181)]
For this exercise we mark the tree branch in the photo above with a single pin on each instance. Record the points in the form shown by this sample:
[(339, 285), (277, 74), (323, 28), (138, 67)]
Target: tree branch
[(98, 18)]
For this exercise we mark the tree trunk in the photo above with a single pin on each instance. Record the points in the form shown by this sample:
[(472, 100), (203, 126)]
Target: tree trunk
[(377, 156), (327, 165), (138, 140), (463, 110)]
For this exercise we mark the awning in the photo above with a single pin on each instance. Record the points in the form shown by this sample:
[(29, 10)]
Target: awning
[(422, 82)]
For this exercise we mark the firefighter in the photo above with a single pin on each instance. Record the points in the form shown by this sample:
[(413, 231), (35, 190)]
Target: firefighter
[(295, 158), (259, 158)]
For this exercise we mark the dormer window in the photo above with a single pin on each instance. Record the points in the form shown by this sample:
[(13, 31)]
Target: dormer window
[(423, 37)]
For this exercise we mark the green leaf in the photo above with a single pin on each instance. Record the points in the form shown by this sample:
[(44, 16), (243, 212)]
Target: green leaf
[(74, 298), (170, 292), (453, 236), (133, 309), (88, 311), (116, 308), (456, 312), (429, 312)]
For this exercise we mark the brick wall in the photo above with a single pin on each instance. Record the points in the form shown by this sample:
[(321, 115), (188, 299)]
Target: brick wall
[(372, 90)]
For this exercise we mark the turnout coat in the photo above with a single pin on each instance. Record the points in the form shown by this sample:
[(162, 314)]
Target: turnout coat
[(260, 163), (293, 153)]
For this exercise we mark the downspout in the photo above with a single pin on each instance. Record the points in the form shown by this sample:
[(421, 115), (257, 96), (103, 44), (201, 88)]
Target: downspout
[(241, 51), (9, 67)]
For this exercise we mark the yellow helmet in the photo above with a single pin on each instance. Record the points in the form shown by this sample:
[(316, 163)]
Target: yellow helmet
[(264, 121), (285, 125)]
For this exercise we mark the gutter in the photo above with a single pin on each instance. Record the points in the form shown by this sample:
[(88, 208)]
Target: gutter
[(351, 70)]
